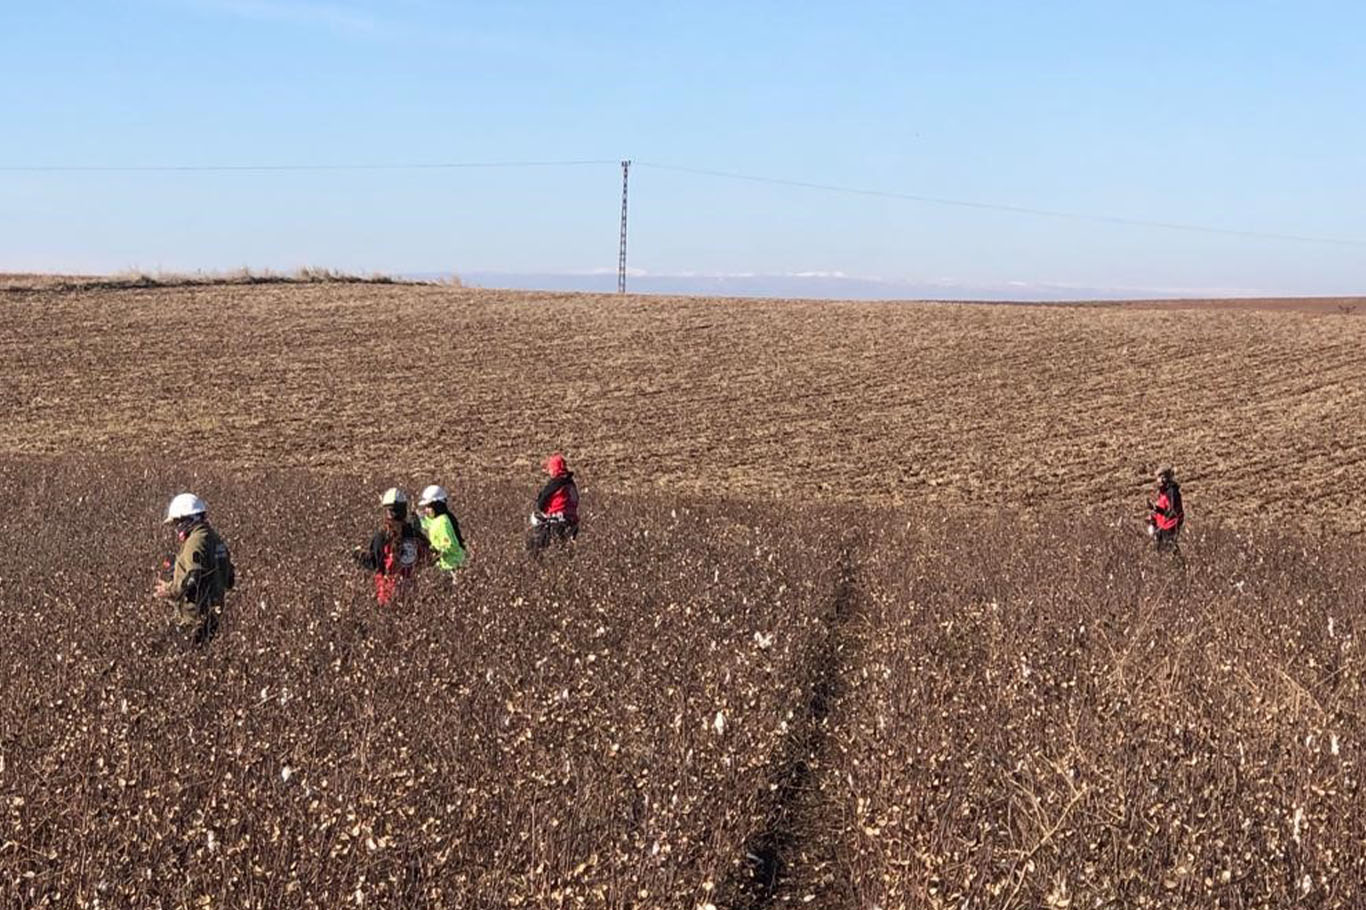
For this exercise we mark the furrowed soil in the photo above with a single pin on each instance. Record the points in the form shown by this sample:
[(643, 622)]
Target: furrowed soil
[(861, 615), (1060, 408)]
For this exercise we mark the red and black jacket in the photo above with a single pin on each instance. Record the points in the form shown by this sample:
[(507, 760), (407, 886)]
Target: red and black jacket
[(393, 553), (560, 497), (1167, 512)]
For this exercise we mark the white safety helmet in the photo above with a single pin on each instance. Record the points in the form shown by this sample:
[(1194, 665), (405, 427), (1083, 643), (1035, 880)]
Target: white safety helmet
[(431, 494), (394, 497), (184, 506)]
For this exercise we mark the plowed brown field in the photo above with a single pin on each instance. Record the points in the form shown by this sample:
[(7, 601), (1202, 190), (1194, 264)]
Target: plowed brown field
[(1054, 408)]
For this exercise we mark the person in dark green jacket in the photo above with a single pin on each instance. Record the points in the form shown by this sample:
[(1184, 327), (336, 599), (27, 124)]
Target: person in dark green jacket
[(202, 573), (442, 530)]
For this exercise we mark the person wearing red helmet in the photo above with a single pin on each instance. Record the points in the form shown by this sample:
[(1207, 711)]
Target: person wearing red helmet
[(556, 516)]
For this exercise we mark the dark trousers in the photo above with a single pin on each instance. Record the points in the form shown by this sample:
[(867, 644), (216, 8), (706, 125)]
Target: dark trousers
[(550, 532), (199, 625)]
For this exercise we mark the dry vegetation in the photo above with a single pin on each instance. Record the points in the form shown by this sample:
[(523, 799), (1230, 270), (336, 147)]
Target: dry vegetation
[(22, 282), (1045, 717), (594, 728), (880, 694), (701, 705)]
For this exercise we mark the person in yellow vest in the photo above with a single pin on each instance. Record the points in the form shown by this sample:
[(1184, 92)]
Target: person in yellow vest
[(442, 530), (203, 571)]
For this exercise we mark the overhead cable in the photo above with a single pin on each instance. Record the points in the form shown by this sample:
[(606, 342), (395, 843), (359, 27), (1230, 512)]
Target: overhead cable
[(999, 207)]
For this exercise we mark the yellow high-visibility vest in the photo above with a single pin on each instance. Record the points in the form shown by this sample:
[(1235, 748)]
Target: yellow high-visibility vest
[(441, 536)]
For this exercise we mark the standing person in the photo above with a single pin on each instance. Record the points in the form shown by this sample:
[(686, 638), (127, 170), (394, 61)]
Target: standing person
[(203, 571), (1165, 512), (556, 516), (394, 549), (442, 530)]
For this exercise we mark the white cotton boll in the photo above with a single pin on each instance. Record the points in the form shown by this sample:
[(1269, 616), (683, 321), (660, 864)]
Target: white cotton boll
[(285, 773), (719, 724), (763, 641)]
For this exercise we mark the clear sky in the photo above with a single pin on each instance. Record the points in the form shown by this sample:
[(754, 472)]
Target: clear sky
[(1243, 116)]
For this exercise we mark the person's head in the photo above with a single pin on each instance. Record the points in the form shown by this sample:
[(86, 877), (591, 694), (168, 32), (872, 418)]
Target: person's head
[(184, 512), (432, 500), (1165, 474), (395, 503), (555, 465)]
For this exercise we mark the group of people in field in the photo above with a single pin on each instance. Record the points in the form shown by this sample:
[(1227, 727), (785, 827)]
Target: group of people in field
[(202, 572)]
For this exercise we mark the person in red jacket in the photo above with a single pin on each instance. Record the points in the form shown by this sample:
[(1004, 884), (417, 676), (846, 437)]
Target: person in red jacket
[(394, 550), (1165, 511), (556, 516)]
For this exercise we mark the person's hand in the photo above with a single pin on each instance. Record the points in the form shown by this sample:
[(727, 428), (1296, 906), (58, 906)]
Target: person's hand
[(162, 588)]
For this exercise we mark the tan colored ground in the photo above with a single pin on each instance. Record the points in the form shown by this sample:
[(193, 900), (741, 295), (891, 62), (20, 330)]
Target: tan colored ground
[(1058, 408), (1342, 306)]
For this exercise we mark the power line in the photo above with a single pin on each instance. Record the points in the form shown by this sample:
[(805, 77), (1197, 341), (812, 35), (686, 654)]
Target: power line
[(997, 207), (703, 172), (209, 168)]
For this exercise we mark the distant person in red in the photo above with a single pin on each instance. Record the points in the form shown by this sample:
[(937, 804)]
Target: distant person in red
[(1165, 513), (394, 549), (556, 516)]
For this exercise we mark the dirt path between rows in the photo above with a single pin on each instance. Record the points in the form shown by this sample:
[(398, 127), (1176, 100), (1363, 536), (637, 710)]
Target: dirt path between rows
[(794, 824)]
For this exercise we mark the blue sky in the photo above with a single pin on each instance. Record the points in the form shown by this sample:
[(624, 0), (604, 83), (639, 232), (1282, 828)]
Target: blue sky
[(1242, 116)]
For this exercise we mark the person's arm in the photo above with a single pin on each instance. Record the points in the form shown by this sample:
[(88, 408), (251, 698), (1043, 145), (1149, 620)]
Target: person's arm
[(190, 569), (371, 557)]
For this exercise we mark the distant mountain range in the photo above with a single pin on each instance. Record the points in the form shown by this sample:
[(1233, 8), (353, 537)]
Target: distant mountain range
[(823, 285)]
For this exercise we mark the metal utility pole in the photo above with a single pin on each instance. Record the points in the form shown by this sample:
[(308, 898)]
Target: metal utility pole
[(621, 256)]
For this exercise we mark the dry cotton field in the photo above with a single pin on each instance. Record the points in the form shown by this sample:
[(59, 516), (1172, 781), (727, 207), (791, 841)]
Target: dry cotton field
[(721, 705)]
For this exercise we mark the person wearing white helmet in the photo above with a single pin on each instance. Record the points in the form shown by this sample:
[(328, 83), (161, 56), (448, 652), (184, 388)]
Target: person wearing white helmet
[(203, 572), (441, 529), (394, 550)]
